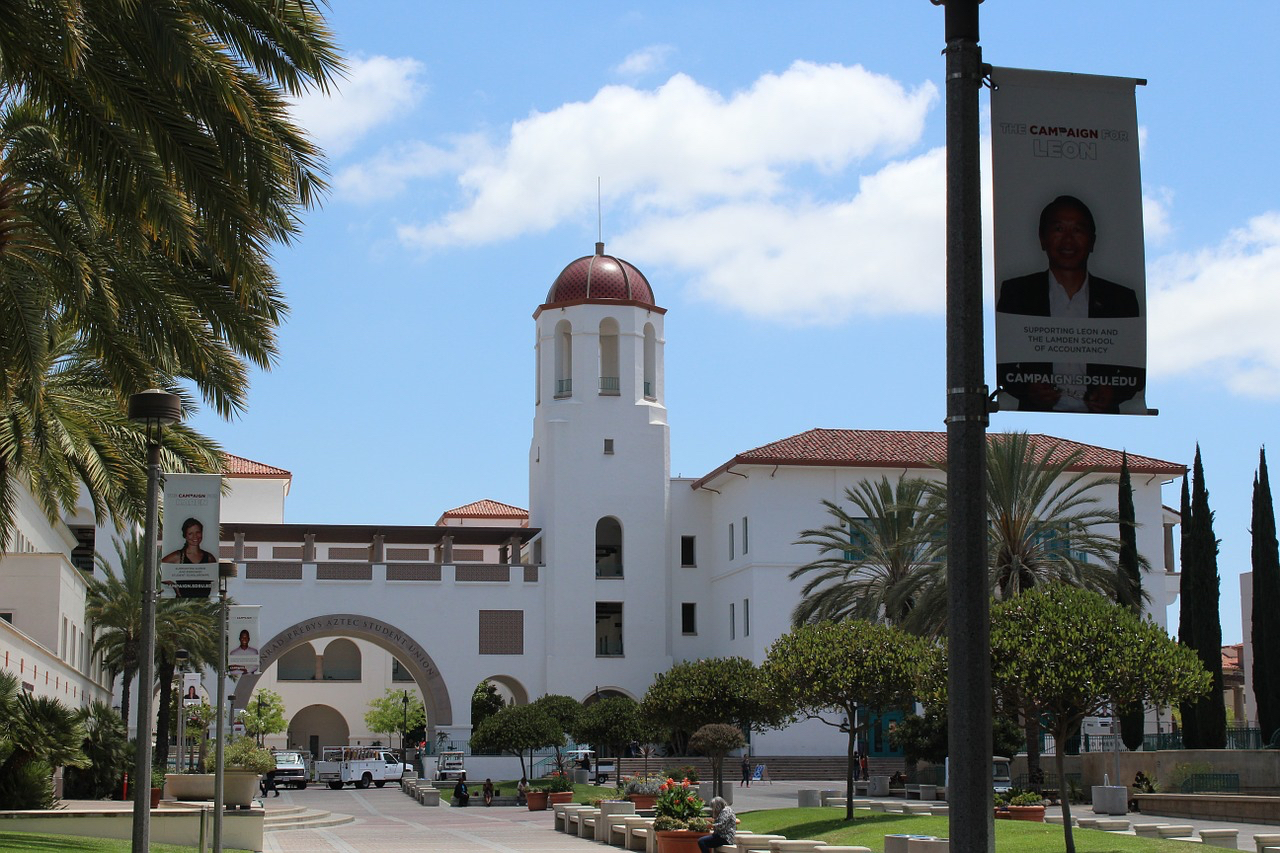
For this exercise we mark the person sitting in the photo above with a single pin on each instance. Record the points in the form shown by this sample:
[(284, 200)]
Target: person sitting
[(724, 826), (487, 791), (460, 790), (522, 792)]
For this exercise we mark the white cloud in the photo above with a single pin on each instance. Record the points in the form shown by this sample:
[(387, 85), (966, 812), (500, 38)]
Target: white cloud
[(1214, 311), (389, 172), (679, 149), (1156, 207), (374, 90), (879, 253), (644, 61)]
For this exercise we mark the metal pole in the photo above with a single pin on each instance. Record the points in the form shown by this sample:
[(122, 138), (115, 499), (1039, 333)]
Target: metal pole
[(221, 728), (147, 652), (968, 615), (182, 732)]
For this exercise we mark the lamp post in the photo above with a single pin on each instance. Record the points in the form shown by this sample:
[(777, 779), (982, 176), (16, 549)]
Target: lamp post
[(404, 725), (181, 656), (225, 570), (156, 409)]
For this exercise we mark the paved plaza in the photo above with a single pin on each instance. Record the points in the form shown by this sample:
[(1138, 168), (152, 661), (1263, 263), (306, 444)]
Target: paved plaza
[(389, 822)]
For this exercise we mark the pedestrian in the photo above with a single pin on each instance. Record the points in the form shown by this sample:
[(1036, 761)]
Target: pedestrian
[(488, 792), (724, 826), (269, 783), (857, 765), (864, 767), (746, 771), (460, 790)]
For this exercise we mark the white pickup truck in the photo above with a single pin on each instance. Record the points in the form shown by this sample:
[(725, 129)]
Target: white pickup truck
[(356, 765)]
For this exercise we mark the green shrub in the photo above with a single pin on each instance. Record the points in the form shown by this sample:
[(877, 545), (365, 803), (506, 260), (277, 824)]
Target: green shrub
[(684, 771), (243, 754)]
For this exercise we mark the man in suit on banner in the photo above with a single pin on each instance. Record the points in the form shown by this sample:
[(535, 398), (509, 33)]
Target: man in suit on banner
[(1067, 290)]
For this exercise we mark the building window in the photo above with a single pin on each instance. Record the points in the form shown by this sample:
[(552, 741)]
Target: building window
[(398, 672), (859, 539), (609, 384), (730, 541), (688, 551), (650, 361), (689, 618), (564, 359), (608, 548), (746, 542), (608, 447), (746, 617), (608, 629), (733, 628)]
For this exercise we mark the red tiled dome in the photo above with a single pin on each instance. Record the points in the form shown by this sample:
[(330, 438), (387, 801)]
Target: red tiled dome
[(600, 276)]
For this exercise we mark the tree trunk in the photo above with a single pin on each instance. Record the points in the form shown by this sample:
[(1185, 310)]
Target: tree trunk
[(848, 773), (164, 677), (1031, 728), (1060, 762)]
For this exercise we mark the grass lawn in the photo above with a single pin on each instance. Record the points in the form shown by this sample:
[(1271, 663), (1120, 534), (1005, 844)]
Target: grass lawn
[(868, 829), (31, 842)]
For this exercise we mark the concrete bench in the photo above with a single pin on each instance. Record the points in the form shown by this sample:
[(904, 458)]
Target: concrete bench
[(428, 796), (901, 844), (636, 832), (939, 811), (1147, 830), (877, 805), (829, 794), (587, 823), (917, 808), (750, 842), (922, 792), (837, 802), (1088, 822), (611, 814), (862, 787), (1266, 839), (1176, 830), (1112, 824), (1220, 837), (794, 845), (562, 812), (841, 848)]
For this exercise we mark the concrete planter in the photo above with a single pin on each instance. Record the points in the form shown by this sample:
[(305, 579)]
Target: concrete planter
[(238, 786), (1110, 799)]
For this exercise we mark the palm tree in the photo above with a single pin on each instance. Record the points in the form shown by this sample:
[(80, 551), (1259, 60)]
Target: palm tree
[(181, 623), (114, 609), (34, 731), (875, 560)]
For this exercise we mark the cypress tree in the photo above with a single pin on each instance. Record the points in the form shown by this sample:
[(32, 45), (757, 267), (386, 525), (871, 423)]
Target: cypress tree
[(1265, 629), (1132, 716), (1204, 722)]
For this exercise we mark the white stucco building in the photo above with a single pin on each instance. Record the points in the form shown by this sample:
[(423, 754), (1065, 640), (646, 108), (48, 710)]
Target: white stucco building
[(617, 572)]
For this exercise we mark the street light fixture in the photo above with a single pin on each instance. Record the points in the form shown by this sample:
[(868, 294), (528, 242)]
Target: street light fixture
[(225, 570), (156, 409), (404, 725)]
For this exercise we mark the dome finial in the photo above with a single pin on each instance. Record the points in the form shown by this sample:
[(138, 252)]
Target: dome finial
[(599, 248)]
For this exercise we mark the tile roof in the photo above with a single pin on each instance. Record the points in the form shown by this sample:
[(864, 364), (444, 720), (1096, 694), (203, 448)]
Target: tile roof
[(485, 509), (862, 448), (238, 466)]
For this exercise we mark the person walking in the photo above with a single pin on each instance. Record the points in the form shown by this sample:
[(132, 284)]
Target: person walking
[(746, 771)]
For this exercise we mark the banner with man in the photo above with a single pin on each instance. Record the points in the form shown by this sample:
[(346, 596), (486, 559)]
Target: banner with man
[(189, 565), (243, 657), (1070, 270)]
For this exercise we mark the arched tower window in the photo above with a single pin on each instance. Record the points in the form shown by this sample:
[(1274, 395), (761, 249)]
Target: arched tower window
[(609, 376), (341, 661), (608, 548), (564, 359), (650, 362)]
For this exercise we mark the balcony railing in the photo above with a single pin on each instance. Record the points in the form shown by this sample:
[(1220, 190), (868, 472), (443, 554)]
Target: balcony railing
[(564, 387), (609, 385)]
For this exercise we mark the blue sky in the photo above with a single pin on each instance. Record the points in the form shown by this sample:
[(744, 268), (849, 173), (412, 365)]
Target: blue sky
[(776, 171)]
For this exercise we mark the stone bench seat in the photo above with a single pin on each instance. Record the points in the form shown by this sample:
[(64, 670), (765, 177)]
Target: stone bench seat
[(562, 812), (636, 832), (796, 845), (750, 842), (1220, 837), (841, 848), (1112, 824), (1263, 840), (939, 810), (1147, 830), (1176, 830)]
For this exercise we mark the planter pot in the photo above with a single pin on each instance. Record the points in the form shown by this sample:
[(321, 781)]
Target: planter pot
[(1031, 813), (238, 786), (554, 797), (678, 841), (643, 801), (537, 801), (1003, 814), (155, 797)]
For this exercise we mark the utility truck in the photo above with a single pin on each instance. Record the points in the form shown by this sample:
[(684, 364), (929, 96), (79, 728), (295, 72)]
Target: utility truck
[(356, 765)]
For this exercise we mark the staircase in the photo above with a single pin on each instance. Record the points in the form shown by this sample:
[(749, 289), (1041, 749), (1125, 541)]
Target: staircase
[(779, 767), (299, 817)]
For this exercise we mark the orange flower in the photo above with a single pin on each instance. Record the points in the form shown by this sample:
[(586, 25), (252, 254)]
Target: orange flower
[(685, 783)]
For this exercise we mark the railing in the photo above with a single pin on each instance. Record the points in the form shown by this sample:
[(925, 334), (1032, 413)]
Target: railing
[(1211, 783), (1238, 737), (928, 776), (648, 390), (564, 387), (609, 385), (608, 570)]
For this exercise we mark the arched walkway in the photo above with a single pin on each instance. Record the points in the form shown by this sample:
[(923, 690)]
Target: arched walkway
[(411, 655)]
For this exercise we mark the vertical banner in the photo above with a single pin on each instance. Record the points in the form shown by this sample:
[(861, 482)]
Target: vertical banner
[(191, 688), (242, 639), (1070, 271), (189, 565)]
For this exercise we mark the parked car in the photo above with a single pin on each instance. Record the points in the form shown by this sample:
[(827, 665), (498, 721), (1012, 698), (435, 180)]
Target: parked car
[(290, 769)]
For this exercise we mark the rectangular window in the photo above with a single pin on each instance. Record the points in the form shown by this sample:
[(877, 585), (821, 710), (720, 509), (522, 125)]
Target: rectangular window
[(730, 541), (746, 617), (859, 539), (746, 544), (608, 447), (608, 629), (688, 618), (688, 551), (732, 620)]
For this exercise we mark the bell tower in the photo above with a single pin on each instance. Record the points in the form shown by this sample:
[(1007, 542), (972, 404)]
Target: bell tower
[(599, 475)]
